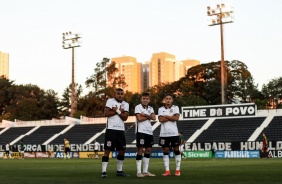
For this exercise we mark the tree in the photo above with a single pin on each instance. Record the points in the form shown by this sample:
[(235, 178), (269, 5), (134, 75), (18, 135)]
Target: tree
[(65, 103), (104, 81), (105, 76), (29, 102), (204, 82), (273, 92)]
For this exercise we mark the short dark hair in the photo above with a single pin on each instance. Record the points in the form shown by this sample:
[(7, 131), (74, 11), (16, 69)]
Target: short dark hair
[(145, 94), (119, 89), (169, 94)]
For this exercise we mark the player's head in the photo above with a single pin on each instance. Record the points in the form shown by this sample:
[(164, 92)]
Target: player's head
[(180, 133), (145, 98), (168, 99), (119, 94)]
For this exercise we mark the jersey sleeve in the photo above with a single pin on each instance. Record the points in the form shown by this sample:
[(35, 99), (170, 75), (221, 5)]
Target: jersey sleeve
[(109, 103), (137, 110), (176, 110), (151, 110), (160, 112), (126, 107)]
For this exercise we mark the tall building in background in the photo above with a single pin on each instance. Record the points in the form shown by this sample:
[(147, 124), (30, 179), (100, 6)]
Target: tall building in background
[(131, 70), (4, 65), (163, 69), (188, 63), (145, 76)]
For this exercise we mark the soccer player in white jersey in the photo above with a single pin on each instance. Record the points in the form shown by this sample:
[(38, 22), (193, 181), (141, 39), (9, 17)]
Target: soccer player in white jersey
[(8, 152), (116, 111), (144, 134), (96, 148), (168, 115)]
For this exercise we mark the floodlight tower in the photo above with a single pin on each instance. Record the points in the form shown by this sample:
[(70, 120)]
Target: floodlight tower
[(219, 16), (71, 40)]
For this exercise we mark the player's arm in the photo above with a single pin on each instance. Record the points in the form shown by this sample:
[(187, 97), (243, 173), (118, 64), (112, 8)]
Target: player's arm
[(109, 112), (162, 119), (141, 118), (153, 116), (123, 115), (144, 117), (175, 117)]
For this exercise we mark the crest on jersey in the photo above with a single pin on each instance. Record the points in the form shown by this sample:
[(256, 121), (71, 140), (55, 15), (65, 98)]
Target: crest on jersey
[(109, 143)]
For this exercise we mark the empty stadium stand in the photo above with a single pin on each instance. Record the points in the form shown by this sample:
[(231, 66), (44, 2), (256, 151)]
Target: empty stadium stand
[(229, 130), (273, 130), (188, 128), (12, 133), (219, 130), (43, 133), (129, 132), (79, 134)]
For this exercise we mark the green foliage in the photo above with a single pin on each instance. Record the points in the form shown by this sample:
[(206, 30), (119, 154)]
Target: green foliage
[(104, 81), (27, 102), (65, 102)]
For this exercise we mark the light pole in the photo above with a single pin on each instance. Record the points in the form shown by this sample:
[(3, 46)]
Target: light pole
[(219, 16), (71, 40)]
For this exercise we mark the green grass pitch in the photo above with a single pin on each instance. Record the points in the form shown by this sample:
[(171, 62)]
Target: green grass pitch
[(84, 171)]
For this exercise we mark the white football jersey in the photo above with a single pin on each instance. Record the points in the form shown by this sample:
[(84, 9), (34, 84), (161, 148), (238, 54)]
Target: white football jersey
[(144, 126), (7, 147), (169, 128), (115, 122), (96, 146)]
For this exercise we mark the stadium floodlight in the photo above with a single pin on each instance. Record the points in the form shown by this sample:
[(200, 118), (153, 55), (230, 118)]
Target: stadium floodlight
[(71, 40), (220, 15)]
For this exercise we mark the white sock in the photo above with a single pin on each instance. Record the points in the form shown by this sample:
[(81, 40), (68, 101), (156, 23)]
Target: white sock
[(138, 164), (177, 161), (145, 164), (104, 166), (119, 165), (166, 162)]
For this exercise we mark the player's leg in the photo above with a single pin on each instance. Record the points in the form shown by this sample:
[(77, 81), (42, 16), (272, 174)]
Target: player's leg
[(164, 142), (174, 144), (149, 142), (109, 145), (68, 153), (120, 146), (139, 161), (140, 146), (65, 153)]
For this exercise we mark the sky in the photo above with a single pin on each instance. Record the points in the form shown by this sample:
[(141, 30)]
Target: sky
[(31, 33)]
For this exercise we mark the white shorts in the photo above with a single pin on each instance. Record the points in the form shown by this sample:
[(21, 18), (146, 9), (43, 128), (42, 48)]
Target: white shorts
[(181, 148)]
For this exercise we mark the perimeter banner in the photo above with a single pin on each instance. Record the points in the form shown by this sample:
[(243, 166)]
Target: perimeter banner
[(237, 154), (219, 111), (232, 146)]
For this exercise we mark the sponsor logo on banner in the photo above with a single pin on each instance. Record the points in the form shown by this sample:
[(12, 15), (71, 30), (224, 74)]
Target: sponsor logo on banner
[(154, 154), (237, 154), (61, 154), (231, 146), (218, 111), (275, 154), (41, 154), (92, 154), (197, 154)]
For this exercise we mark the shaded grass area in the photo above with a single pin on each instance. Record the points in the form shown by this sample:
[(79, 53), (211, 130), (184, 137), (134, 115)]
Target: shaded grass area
[(86, 171)]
